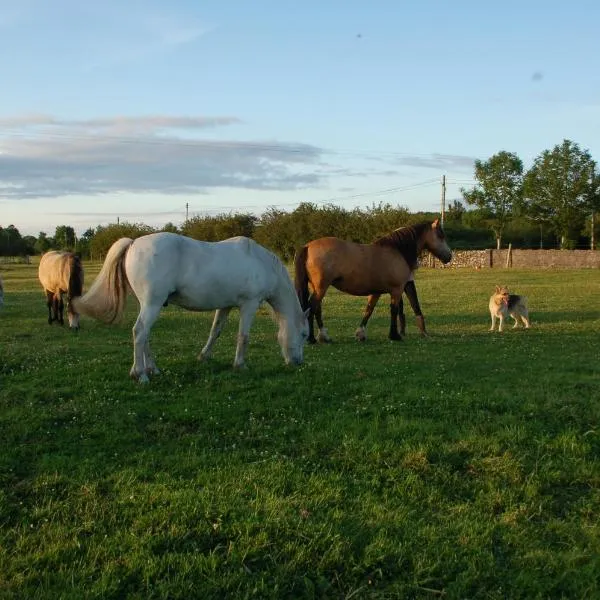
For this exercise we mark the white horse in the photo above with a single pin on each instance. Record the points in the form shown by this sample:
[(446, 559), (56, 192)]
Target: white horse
[(166, 267)]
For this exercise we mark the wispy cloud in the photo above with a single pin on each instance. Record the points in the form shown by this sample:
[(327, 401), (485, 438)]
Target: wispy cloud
[(143, 32), (43, 156)]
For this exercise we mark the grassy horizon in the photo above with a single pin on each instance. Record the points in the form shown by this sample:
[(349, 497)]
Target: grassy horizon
[(460, 466)]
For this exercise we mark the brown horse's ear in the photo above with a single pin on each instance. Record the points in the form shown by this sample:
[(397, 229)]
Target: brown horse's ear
[(435, 224)]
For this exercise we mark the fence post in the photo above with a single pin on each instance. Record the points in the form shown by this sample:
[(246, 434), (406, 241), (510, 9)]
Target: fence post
[(509, 256)]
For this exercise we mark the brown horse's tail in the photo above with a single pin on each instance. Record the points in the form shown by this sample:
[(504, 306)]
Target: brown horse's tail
[(301, 276), (105, 300)]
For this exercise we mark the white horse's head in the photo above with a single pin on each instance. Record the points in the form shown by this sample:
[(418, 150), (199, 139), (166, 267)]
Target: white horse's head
[(293, 333)]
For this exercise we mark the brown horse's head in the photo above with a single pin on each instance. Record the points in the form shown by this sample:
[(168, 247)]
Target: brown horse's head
[(435, 241)]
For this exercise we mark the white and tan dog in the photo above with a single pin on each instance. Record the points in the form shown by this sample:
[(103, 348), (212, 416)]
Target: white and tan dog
[(503, 303)]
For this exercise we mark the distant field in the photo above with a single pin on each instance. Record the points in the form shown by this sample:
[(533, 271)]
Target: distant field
[(462, 466)]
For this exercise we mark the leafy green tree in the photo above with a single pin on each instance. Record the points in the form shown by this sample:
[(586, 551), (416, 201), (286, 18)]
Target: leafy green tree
[(499, 189), (170, 227), (105, 236), (64, 237), (558, 190), (11, 243), (43, 243)]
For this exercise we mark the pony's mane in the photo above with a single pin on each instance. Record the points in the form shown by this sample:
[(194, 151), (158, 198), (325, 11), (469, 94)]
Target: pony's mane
[(76, 276), (405, 241)]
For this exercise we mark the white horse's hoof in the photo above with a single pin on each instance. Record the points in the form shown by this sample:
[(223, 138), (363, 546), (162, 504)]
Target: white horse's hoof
[(203, 356)]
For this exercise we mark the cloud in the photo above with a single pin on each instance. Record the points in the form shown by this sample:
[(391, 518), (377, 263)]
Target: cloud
[(537, 76), (133, 33), (44, 157), (437, 161)]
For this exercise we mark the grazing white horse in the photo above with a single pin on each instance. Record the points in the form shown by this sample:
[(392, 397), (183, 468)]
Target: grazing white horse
[(166, 267)]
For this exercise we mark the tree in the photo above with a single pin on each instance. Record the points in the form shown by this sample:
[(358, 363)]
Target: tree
[(43, 244), (499, 189), (64, 237), (11, 243), (558, 190)]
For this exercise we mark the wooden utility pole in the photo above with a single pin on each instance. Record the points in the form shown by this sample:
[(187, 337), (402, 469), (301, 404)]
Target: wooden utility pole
[(187, 206), (443, 198)]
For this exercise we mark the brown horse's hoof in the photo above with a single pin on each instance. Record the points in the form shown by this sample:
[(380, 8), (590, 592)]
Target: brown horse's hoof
[(312, 340), (395, 338)]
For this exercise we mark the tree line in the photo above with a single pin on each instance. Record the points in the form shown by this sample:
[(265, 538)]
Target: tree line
[(550, 205)]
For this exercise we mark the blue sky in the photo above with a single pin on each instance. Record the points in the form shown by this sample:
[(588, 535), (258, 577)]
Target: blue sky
[(134, 109)]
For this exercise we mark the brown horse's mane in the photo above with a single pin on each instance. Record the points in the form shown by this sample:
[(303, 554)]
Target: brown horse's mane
[(405, 241)]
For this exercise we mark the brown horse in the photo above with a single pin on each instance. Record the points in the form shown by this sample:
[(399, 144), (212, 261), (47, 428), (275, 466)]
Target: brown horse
[(382, 267), (61, 273)]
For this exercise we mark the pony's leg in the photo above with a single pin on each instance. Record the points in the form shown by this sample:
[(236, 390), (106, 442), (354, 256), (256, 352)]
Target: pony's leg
[(55, 308), (247, 313), (215, 331), (61, 309), (361, 332), (141, 333), (50, 305)]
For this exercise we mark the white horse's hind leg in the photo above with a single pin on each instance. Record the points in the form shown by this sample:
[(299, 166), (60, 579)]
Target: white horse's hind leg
[(141, 333), (215, 331), (247, 313)]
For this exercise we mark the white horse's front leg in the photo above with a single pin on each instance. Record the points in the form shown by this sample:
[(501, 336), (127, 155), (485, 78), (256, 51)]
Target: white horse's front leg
[(141, 333), (247, 313), (215, 331), (149, 364)]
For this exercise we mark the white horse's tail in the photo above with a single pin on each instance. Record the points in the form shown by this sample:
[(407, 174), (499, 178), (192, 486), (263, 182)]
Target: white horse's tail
[(105, 300)]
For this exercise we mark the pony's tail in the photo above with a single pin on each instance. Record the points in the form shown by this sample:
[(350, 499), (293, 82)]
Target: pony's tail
[(105, 300), (301, 276)]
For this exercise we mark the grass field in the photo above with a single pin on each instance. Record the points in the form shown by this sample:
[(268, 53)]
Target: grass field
[(461, 466)]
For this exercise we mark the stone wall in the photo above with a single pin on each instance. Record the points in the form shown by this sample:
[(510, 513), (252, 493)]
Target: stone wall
[(542, 259)]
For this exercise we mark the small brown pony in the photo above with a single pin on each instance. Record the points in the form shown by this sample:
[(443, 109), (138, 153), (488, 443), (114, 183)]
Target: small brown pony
[(382, 267), (61, 273)]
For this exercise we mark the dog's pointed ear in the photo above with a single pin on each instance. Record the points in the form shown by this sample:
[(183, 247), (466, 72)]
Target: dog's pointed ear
[(497, 289)]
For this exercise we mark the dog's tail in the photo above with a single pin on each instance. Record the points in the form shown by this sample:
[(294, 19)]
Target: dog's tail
[(301, 276)]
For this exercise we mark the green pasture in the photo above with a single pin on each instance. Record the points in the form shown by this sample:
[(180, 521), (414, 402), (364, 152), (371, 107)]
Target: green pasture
[(461, 466)]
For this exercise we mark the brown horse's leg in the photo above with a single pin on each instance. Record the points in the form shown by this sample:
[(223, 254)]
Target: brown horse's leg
[(411, 293), (49, 304), (361, 333), (401, 317), (316, 301), (394, 311)]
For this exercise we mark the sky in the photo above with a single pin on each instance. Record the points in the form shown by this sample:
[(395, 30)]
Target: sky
[(132, 110)]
